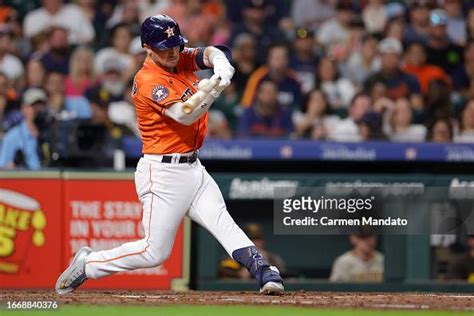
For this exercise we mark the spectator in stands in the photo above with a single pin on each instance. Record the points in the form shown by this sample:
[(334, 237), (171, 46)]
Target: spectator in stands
[(398, 123), (113, 79), (121, 38), (361, 264), (218, 126), (243, 55), (35, 73), (276, 69), (311, 13), (396, 28), (100, 100), (148, 7), (138, 54), (96, 12), (7, 12), (274, 11), (254, 22), (399, 84), (437, 104), (56, 13), (303, 58), (229, 268), (10, 112), (122, 112), (463, 75), (462, 268), (10, 65), (418, 28), (441, 131), (91, 141), (374, 16), (362, 62), (470, 24), (228, 106), (415, 64), (456, 25), (266, 117), (81, 72), (370, 127), (20, 143), (195, 20), (378, 94), (55, 89), (312, 123), (441, 51), (466, 131), (126, 12), (336, 30), (339, 90), (395, 11), (346, 130), (57, 57), (221, 32)]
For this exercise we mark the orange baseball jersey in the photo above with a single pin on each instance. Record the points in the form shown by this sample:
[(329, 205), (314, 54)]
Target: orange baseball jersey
[(154, 90)]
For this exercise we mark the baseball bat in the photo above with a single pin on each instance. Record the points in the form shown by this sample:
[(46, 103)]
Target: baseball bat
[(205, 86)]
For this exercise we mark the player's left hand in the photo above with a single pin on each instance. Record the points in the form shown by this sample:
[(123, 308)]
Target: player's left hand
[(224, 70)]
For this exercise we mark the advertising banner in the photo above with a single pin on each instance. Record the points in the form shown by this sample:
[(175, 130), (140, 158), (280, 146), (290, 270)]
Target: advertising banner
[(30, 232), (265, 149), (46, 217)]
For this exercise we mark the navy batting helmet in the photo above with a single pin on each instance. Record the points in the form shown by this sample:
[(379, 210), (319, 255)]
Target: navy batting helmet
[(161, 32)]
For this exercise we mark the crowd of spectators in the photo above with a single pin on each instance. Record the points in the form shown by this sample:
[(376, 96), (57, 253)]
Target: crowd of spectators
[(335, 70)]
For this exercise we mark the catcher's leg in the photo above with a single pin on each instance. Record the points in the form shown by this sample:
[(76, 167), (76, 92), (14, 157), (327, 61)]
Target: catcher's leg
[(209, 210)]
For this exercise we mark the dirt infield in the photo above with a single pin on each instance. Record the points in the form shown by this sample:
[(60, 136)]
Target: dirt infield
[(426, 301)]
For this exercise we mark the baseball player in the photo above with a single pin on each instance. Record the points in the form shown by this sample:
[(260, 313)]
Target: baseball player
[(171, 106)]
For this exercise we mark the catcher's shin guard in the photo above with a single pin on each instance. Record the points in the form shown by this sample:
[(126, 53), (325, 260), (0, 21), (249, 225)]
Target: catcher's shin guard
[(268, 277)]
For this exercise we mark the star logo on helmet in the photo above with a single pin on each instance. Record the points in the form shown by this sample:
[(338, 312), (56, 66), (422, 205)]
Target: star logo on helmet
[(170, 31)]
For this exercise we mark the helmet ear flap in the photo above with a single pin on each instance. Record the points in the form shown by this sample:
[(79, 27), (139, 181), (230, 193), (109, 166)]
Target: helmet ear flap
[(181, 48)]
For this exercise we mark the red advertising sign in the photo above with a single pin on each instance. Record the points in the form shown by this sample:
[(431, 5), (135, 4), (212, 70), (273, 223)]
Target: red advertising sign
[(44, 221), (30, 232)]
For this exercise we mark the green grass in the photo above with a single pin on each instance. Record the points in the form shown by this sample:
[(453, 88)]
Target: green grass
[(198, 310)]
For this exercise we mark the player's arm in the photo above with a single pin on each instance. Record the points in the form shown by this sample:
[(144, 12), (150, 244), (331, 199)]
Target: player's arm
[(219, 58), (192, 109)]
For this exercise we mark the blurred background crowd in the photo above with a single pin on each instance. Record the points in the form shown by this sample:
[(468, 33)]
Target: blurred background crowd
[(335, 70)]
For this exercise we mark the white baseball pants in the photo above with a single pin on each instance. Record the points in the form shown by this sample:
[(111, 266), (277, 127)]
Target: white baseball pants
[(168, 192)]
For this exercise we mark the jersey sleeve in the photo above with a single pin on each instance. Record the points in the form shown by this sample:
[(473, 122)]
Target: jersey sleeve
[(158, 96), (192, 59)]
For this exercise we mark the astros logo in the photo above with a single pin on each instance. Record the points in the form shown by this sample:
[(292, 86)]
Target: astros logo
[(170, 31), (159, 93)]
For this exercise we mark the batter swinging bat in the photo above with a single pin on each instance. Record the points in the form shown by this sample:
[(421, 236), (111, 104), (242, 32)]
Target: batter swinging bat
[(205, 86)]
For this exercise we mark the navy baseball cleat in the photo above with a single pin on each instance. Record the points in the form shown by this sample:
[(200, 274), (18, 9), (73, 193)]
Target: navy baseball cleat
[(75, 274), (271, 281)]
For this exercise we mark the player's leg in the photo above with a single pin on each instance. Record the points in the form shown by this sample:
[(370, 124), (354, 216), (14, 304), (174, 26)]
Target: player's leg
[(166, 192), (165, 198), (209, 210)]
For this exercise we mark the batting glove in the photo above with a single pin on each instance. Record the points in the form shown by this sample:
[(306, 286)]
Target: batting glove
[(224, 70)]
